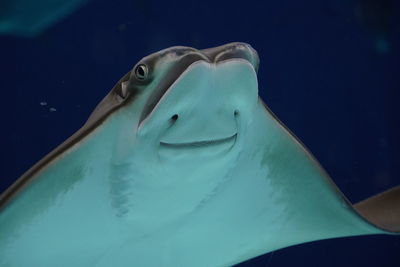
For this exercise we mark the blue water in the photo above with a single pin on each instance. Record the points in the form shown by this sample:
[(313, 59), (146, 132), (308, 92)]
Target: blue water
[(329, 70)]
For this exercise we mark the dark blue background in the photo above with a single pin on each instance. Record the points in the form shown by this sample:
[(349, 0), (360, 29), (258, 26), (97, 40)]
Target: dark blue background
[(320, 73)]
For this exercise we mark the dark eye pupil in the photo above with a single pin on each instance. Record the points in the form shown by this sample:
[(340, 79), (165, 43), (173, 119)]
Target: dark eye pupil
[(141, 72)]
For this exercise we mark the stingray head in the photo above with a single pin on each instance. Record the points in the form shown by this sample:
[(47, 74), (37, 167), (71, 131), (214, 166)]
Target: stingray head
[(183, 104), (179, 127)]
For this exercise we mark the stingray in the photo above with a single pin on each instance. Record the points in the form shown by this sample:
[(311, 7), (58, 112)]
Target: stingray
[(30, 18), (181, 164)]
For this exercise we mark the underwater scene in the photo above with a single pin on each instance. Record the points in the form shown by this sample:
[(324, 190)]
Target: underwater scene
[(327, 71)]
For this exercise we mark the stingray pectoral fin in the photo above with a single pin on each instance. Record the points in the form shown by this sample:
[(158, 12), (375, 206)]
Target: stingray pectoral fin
[(382, 210)]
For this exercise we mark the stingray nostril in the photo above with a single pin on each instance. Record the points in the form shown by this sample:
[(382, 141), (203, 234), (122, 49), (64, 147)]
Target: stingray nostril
[(174, 117)]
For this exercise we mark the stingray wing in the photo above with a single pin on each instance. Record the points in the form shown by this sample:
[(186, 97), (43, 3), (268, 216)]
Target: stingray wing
[(381, 211), (50, 212)]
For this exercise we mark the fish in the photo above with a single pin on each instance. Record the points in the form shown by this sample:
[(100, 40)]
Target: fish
[(181, 164), (27, 18)]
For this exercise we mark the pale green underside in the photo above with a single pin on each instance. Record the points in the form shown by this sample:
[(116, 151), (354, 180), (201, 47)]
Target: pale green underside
[(111, 201)]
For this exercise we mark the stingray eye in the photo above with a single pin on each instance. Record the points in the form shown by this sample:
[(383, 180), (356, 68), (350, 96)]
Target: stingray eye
[(141, 72)]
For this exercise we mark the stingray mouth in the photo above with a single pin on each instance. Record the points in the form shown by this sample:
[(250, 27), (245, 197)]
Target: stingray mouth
[(226, 142)]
